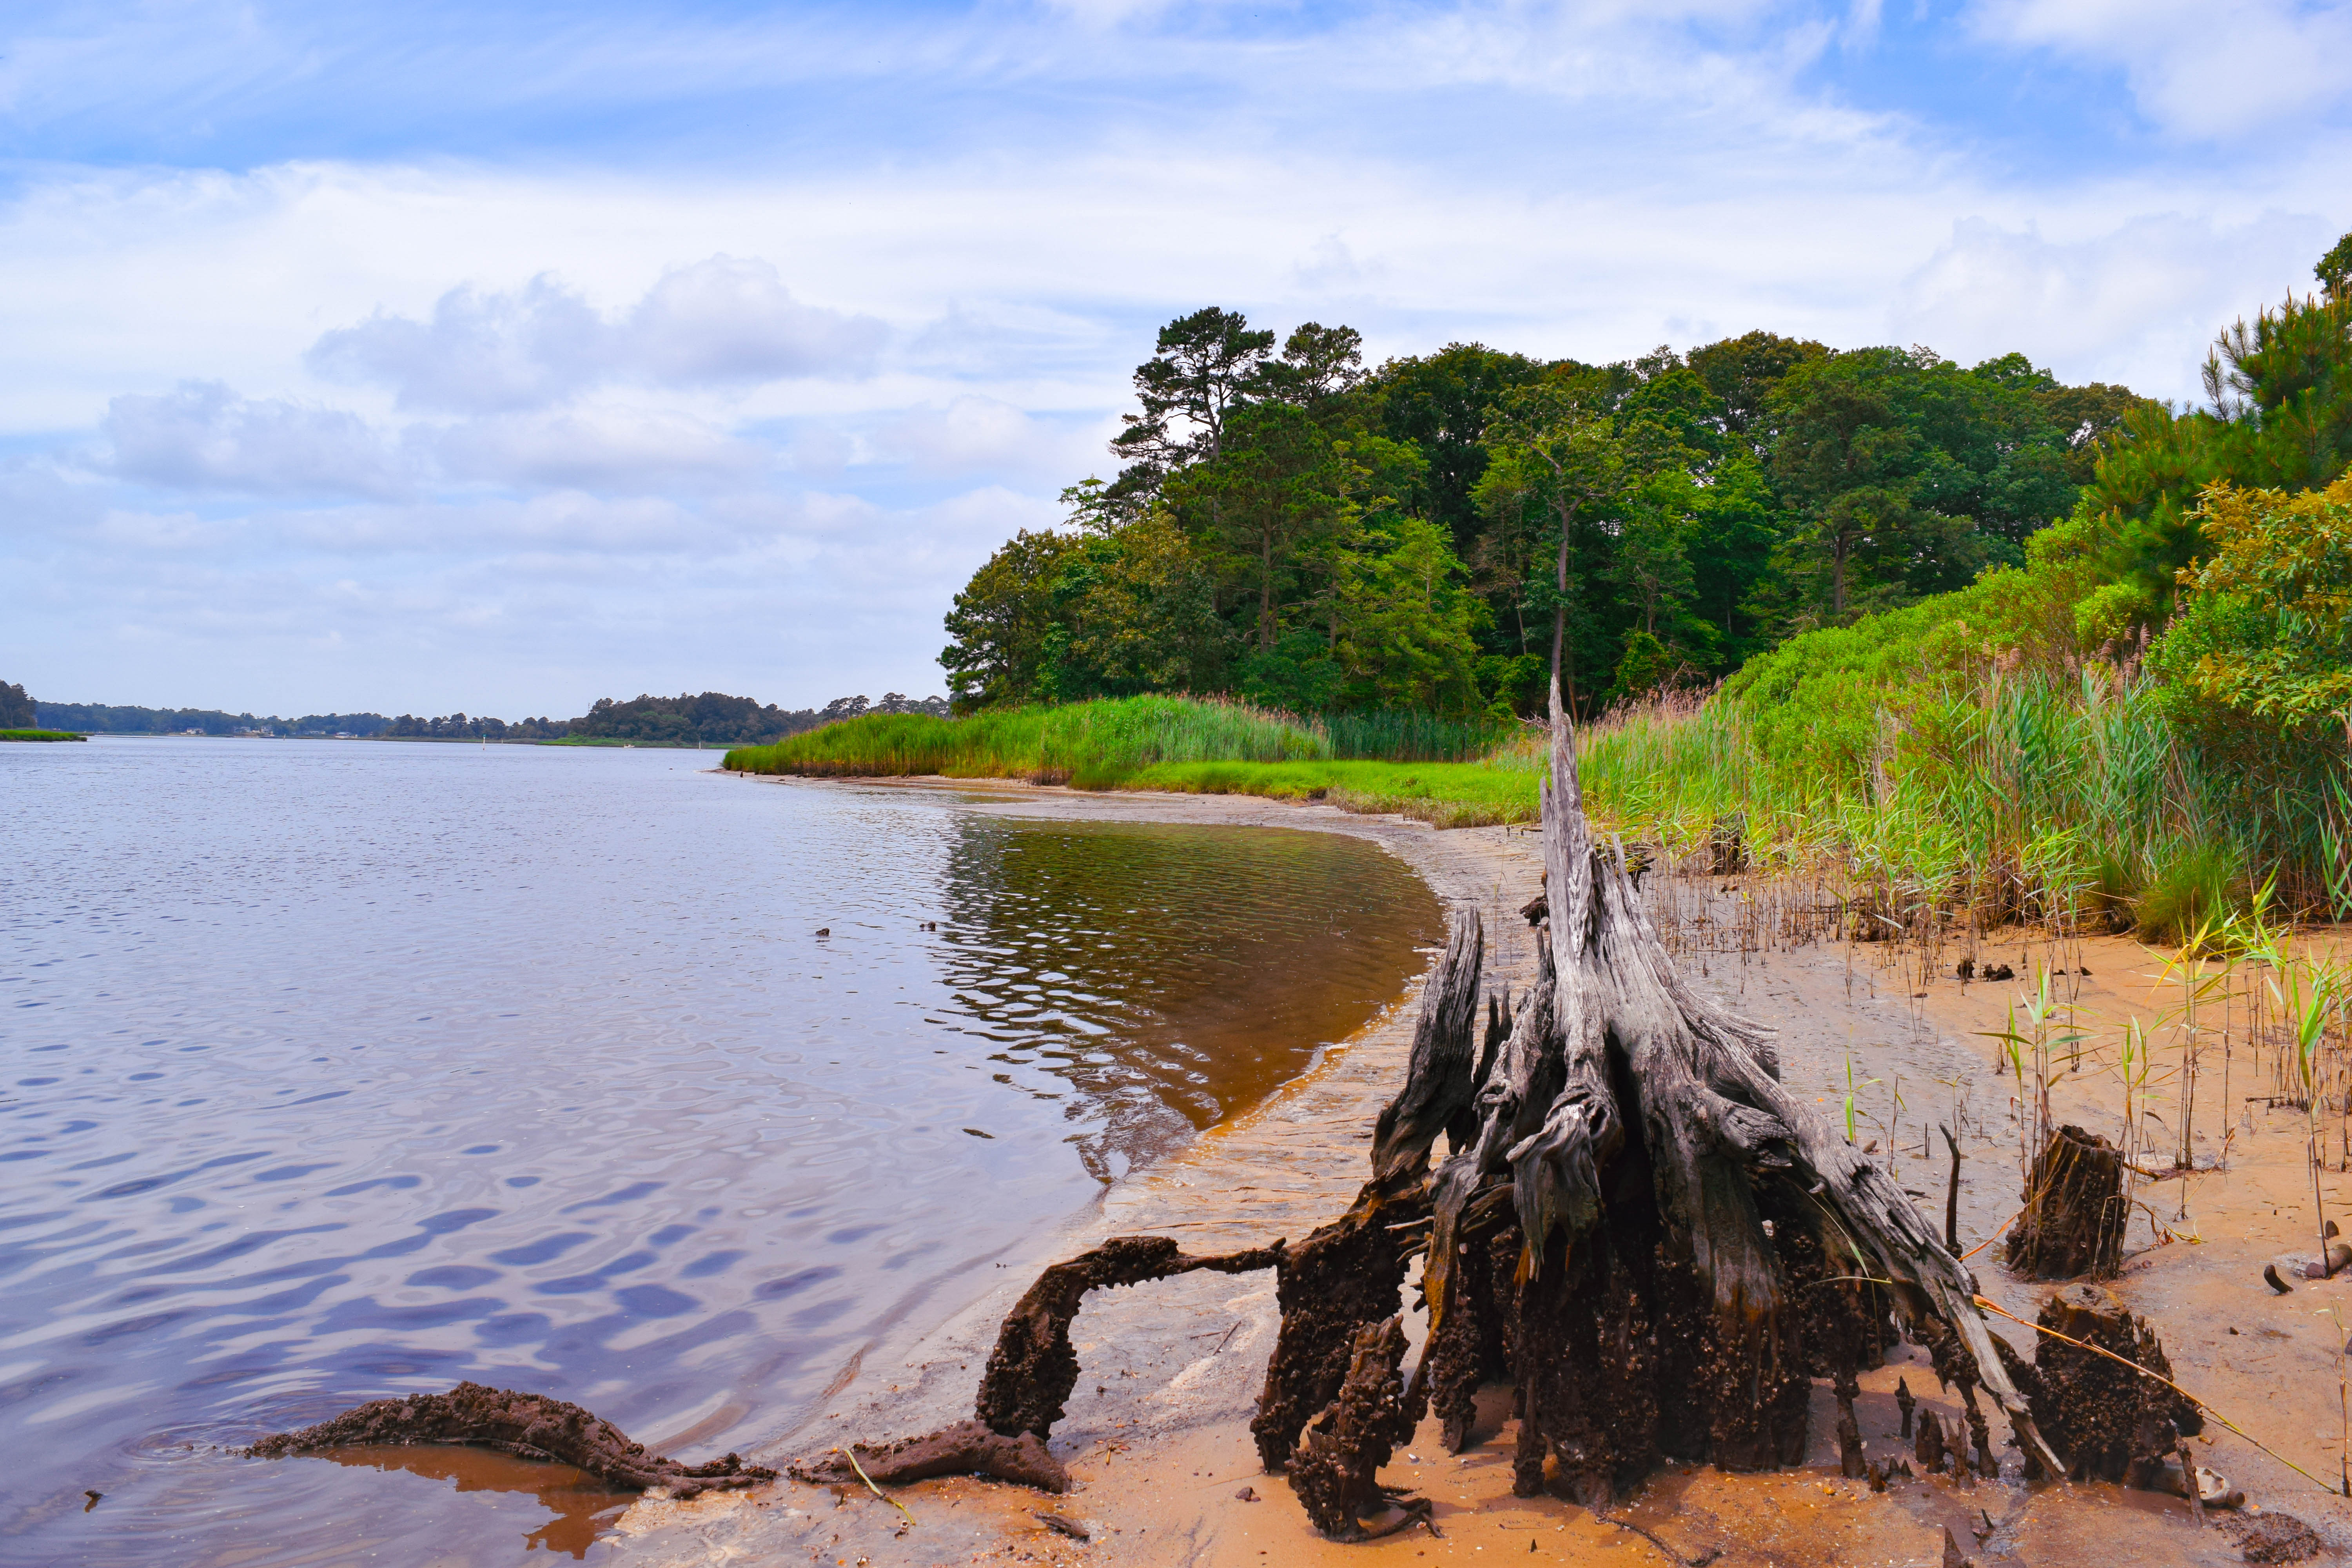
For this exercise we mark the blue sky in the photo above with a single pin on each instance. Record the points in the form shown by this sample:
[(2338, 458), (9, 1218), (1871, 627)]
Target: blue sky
[(498, 357)]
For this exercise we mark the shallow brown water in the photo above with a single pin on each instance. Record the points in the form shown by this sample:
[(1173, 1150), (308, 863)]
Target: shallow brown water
[(338, 1071)]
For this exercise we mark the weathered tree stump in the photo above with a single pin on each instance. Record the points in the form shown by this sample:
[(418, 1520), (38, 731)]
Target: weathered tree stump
[(2111, 1423), (2074, 1209), (528, 1425), (1685, 1244), (1675, 1204)]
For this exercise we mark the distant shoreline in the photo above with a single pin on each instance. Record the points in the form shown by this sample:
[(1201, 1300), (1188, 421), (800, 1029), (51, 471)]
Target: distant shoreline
[(573, 741)]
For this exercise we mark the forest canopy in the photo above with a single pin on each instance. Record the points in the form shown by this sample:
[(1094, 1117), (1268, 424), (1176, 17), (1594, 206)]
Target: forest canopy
[(1293, 528)]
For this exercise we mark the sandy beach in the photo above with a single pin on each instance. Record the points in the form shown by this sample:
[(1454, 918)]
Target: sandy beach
[(1157, 1433)]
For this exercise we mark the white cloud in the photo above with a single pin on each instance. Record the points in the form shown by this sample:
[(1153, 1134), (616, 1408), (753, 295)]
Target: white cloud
[(719, 322), (203, 437), (605, 449), (2135, 303), (2198, 68), (982, 434)]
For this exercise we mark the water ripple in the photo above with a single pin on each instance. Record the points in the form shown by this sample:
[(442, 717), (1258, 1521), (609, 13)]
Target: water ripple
[(337, 1071)]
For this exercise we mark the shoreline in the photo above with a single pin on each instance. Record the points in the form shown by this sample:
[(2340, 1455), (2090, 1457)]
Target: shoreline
[(1157, 1433)]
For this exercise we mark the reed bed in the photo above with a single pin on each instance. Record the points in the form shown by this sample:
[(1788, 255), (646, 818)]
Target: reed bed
[(1110, 743), (2075, 803)]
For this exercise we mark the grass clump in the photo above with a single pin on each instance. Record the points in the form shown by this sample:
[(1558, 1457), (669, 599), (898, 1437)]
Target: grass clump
[(1094, 745), (40, 735), (1420, 764)]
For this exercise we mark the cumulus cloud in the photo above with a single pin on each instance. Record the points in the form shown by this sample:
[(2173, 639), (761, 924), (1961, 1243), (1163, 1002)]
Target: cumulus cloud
[(202, 436), (721, 321)]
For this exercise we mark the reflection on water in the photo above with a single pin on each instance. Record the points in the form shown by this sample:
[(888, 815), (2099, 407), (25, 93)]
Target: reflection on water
[(582, 1505), (338, 1071), (1162, 977)]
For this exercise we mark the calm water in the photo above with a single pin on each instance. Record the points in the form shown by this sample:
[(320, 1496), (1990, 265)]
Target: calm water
[(342, 1071)]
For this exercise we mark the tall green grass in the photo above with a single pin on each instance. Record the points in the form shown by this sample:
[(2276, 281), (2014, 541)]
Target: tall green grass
[(1101, 744), (2072, 799), (1091, 744)]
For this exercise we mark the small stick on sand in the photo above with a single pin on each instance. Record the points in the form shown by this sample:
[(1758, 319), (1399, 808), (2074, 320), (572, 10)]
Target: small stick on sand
[(1952, 1198), (870, 1487)]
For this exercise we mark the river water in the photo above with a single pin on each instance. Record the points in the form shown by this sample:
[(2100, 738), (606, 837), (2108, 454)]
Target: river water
[(341, 1071)]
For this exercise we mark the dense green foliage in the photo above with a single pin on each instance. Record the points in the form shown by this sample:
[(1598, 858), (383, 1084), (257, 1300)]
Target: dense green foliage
[(2171, 665), (40, 735), (1304, 533), (15, 707)]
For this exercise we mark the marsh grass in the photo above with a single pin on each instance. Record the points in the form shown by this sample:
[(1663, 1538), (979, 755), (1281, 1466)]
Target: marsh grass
[(1175, 743)]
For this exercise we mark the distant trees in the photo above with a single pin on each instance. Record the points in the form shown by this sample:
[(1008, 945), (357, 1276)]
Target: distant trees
[(17, 710), (711, 719), (687, 720), (458, 727)]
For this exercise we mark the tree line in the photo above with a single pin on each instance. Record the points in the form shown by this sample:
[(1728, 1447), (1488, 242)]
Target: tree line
[(712, 718), (1294, 528)]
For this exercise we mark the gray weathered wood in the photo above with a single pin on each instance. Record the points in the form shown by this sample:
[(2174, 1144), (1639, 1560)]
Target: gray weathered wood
[(1441, 1077), (1647, 1139)]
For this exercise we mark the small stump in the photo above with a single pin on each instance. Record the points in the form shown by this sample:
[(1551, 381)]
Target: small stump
[(2074, 1209), (2111, 1423)]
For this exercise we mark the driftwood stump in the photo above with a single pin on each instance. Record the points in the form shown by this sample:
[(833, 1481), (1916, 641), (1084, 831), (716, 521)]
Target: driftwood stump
[(1658, 1242), (1677, 1208), (2075, 1210)]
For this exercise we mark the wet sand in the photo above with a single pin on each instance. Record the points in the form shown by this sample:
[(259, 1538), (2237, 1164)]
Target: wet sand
[(1157, 1433)]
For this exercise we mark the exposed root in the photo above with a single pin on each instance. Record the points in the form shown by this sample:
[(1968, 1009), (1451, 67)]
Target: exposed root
[(1335, 1474), (1344, 1276), (1032, 1369), (968, 1447), (530, 1425)]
